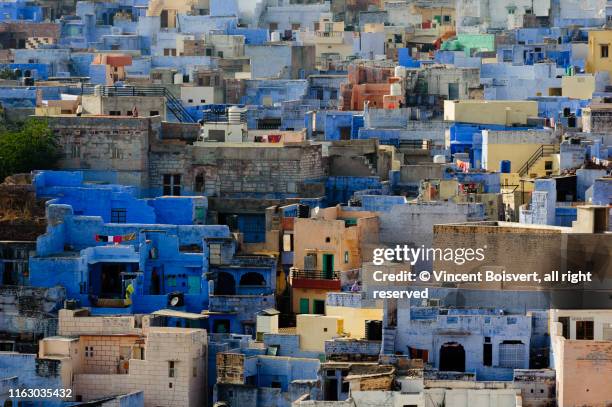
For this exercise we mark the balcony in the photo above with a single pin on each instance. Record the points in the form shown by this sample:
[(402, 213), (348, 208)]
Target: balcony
[(317, 279), (329, 37)]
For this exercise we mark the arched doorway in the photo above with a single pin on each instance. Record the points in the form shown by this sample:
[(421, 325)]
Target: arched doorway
[(452, 357), (252, 278), (226, 284)]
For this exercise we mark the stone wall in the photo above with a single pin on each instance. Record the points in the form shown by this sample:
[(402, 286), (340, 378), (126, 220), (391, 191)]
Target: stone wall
[(107, 143), (237, 170), (70, 323), (342, 349), (27, 314)]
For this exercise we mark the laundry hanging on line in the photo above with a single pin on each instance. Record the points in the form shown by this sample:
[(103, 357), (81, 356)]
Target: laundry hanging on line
[(116, 238)]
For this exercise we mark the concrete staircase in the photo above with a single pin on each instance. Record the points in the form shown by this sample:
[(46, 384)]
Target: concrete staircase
[(536, 161), (368, 163)]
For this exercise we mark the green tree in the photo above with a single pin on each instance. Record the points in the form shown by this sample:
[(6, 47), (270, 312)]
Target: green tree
[(31, 146)]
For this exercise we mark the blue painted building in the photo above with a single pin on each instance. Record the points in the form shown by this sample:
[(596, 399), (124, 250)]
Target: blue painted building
[(467, 138), (101, 239), (20, 10)]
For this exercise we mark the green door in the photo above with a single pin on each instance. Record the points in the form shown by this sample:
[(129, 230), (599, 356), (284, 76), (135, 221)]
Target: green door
[(200, 215), (328, 265), (304, 305), (193, 284)]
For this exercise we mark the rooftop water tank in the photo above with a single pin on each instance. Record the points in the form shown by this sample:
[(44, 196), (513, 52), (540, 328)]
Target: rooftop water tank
[(505, 166), (275, 36), (400, 71), (178, 78)]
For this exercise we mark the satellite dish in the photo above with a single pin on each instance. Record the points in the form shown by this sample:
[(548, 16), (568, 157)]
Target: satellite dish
[(174, 301)]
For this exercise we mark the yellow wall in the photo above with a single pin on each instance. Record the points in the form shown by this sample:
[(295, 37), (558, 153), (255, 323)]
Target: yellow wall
[(578, 87), (314, 330), (504, 112), (518, 154), (354, 318), (595, 62), (518, 147)]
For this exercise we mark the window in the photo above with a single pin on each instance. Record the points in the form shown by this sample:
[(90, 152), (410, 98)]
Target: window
[(511, 354), (584, 330), (154, 113), (76, 150), (202, 100), (199, 183), (116, 153), (346, 257), (487, 354), (287, 242), (7, 346), (194, 371), (89, 351), (118, 215), (604, 51), (172, 184), (189, 100), (171, 369), (273, 26), (318, 307), (114, 113), (295, 26)]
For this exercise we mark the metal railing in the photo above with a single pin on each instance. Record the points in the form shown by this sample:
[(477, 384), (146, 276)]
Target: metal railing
[(174, 105), (544, 151), (315, 274)]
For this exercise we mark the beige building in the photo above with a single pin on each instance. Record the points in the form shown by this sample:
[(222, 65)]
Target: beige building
[(326, 246), (503, 112), (599, 57), (533, 153), (578, 86), (314, 330), (354, 310), (581, 342), (120, 102), (330, 40), (104, 356), (168, 10)]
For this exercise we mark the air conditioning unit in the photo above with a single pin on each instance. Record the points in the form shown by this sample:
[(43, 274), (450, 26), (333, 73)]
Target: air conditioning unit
[(176, 299)]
